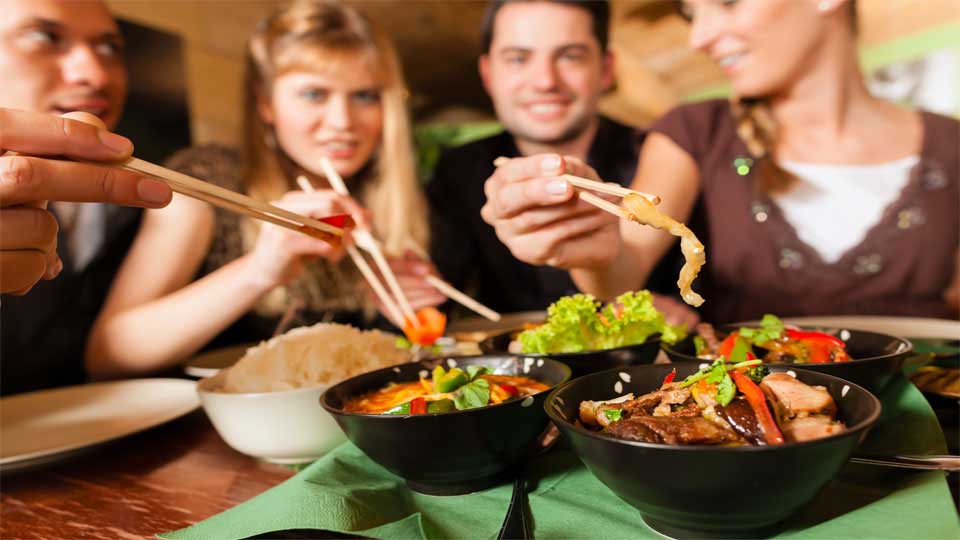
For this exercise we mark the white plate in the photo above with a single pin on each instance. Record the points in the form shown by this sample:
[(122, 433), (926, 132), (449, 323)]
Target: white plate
[(40, 426), (908, 327), (210, 363)]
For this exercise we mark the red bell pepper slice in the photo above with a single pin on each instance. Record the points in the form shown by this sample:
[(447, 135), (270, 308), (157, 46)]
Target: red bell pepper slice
[(758, 402), (511, 389), (418, 406), (803, 335), (432, 324)]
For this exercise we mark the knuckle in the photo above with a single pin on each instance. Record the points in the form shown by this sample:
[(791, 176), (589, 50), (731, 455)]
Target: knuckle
[(107, 182), (17, 175)]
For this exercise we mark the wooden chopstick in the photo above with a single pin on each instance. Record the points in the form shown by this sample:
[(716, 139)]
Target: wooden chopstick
[(366, 242), (365, 270), (231, 200), (592, 185), (452, 293)]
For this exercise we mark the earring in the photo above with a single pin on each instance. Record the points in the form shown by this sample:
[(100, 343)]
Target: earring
[(824, 5)]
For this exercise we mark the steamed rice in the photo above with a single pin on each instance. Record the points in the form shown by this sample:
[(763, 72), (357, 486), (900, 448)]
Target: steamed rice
[(319, 355)]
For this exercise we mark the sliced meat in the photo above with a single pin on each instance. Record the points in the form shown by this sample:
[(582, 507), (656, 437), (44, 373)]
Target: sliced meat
[(740, 417), (643, 405), (669, 398), (808, 428), (684, 430), (631, 429), (793, 398)]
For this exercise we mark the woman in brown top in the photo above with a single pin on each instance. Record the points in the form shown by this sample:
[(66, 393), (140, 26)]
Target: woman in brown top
[(322, 81), (816, 197)]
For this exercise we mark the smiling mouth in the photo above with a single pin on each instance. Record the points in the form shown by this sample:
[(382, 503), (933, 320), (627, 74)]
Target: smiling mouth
[(730, 60), (99, 112)]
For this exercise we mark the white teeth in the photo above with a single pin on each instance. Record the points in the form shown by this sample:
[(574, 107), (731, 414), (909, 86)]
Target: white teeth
[(730, 59), (545, 108)]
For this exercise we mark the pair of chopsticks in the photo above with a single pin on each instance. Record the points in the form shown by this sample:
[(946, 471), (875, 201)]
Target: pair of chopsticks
[(233, 201), (585, 186), (399, 309)]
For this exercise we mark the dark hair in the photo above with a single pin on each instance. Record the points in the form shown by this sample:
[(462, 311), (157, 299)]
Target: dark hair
[(599, 11)]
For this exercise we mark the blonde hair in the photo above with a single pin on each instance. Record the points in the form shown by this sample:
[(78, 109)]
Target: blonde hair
[(305, 36), (756, 126)]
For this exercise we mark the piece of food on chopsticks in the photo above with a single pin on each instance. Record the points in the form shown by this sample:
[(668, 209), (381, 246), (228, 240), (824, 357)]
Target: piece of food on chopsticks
[(722, 404), (773, 343), (429, 327), (577, 323), (694, 254), (445, 391)]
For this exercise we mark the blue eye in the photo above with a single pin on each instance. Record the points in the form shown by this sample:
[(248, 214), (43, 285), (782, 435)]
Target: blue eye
[(366, 97), (314, 95)]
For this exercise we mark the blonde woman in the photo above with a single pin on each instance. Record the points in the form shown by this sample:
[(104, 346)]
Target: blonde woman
[(322, 81), (816, 197)]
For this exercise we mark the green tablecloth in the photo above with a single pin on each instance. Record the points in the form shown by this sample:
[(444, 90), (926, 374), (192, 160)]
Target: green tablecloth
[(346, 492)]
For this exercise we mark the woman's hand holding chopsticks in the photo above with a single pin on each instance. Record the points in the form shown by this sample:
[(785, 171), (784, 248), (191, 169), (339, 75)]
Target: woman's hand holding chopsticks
[(540, 217), (280, 253)]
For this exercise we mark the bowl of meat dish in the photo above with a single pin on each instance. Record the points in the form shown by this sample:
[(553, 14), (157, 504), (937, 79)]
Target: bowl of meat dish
[(448, 425), (589, 337), (727, 451), (869, 359), (266, 404)]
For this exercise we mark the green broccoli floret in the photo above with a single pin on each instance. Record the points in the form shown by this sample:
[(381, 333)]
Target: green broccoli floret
[(757, 373)]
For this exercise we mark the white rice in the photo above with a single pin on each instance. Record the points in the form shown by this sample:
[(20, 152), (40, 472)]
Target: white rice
[(319, 355)]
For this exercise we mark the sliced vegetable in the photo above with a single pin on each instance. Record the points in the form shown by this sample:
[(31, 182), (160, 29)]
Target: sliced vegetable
[(758, 402), (418, 406), (741, 351), (821, 337), (475, 371), (448, 381), (403, 408), (510, 389), (440, 405), (613, 415), (700, 345), (431, 327), (669, 378)]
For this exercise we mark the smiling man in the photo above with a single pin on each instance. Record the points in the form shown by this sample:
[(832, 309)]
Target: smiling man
[(60, 56), (545, 65)]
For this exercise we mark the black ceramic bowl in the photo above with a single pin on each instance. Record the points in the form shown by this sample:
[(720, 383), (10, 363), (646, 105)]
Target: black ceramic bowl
[(709, 491), (448, 453), (877, 358), (582, 363)]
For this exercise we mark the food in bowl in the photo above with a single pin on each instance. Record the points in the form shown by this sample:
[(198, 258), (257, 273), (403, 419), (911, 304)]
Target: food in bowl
[(772, 342), (710, 490), (447, 390), (266, 405), (579, 323), (317, 355), (469, 449), (722, 404)]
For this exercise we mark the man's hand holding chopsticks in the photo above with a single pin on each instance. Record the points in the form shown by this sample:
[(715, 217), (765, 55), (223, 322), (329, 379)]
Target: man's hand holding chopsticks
[(540, 218), (28, 241)]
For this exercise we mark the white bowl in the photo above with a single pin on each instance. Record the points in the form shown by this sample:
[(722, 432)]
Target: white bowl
[(287, 426)]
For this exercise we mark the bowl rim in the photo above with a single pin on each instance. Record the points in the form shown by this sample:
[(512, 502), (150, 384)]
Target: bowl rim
[(652, 338), (335, 411), (906, 347), (860, 426)]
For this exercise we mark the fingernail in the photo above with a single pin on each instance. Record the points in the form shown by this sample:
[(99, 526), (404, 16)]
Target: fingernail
[(556, 187), (153, 191), (117, 143), (550, 164)]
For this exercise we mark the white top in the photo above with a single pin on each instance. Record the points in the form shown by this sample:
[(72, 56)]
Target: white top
[(84, 225), (833, 206)]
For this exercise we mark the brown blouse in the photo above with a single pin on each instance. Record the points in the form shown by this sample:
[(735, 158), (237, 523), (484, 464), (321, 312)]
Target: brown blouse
[(757, 264)]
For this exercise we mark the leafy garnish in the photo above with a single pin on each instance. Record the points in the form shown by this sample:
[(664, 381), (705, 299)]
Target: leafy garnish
[(771, 328), (574, 324), (613, 415), (472, 395), (726, 388), (475, 371)]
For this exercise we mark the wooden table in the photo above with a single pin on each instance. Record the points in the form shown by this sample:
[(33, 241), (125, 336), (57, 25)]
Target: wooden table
[(162, 479)]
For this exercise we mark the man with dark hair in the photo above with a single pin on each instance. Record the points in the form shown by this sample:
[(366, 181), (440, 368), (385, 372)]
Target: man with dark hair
[(545, 66)]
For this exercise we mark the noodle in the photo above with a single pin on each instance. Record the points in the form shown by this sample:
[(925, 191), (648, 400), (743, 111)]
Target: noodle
[(694, 253)]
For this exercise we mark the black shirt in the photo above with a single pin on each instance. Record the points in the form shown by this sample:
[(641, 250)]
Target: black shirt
[(466, 249), (43, 334)]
